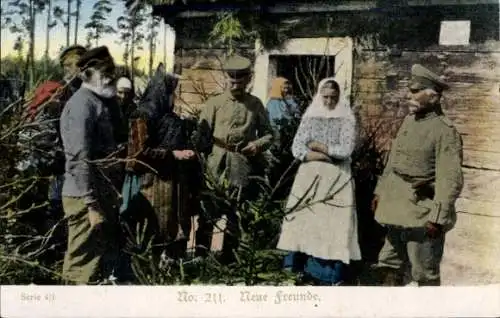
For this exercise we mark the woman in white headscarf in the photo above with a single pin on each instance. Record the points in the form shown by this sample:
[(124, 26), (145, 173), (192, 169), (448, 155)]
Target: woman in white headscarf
[(321, 231), (125, 96)]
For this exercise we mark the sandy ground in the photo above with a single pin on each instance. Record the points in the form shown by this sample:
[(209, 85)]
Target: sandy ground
[(472, 252)]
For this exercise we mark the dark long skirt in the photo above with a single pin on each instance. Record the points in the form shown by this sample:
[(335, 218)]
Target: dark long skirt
[(162, 208)]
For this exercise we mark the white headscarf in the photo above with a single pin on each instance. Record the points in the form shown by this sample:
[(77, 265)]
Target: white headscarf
[(123, 82), (318, 109)]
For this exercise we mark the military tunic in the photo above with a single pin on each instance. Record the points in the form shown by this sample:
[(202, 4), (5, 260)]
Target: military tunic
[(426, 148), (423, 148), (235, 122)]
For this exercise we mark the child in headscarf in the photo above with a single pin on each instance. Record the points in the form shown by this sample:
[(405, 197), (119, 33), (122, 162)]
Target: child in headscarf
[(322, 233), (284, 115), (281, 105)]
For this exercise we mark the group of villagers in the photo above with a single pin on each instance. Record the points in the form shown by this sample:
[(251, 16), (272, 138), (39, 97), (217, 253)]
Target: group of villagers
[(157, 182)]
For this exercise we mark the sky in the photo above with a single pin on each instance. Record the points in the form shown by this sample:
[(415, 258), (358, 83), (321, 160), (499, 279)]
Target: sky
[(58, 35)]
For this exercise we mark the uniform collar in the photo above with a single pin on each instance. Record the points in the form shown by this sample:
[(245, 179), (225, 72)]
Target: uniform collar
[(426, 115), (230, 96)]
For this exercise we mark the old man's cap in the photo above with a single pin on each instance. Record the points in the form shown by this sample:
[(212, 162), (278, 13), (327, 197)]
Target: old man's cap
[(422, 78), (237, 66), (97, 57), (71, 52)]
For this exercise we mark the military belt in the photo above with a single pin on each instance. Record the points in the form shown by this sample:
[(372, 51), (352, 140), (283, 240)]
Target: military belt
[(229, 147), (423, 189), (415, 181)]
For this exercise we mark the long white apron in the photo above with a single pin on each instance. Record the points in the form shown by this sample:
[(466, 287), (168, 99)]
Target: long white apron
[(324, 225)]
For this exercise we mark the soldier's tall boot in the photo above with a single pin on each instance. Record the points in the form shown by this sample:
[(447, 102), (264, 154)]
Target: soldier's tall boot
[(386, 276)]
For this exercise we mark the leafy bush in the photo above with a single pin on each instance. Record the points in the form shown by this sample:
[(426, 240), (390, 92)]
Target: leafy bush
[(25, 245)]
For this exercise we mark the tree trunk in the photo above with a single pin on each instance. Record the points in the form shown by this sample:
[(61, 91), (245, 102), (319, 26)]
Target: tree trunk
[(126, 54), (32, 43), (77, 19), (151, 46), (47, 35), (132, 51), (151, 54), (165, 44), (68, 22), (28, 67), (1, 15)]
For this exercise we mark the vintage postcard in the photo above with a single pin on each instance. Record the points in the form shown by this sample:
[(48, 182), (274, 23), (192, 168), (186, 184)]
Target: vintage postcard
[(249, 158)]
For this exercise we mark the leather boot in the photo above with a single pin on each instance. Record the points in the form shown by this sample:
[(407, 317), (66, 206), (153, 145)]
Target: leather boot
[(434, 282), (386, 276), (392, 277)]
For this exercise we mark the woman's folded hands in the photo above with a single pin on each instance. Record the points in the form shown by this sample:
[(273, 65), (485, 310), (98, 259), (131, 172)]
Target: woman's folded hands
[(318, 152)]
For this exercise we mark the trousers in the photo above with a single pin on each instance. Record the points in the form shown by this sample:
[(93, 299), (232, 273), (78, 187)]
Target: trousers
[(91, 253), (411, 247)]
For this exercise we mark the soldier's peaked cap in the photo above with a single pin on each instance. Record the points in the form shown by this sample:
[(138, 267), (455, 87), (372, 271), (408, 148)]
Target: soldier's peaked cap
[(72, 50), (422, 78), (98, 56), (237, 66)]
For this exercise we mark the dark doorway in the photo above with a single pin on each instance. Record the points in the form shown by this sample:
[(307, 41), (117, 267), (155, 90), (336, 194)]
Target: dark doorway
[(304, 72)]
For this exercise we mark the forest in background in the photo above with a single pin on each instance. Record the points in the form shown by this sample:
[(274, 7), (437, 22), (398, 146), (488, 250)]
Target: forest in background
[(136, 32)]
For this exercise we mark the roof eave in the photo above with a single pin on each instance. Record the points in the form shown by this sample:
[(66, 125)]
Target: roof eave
[(186, 11)]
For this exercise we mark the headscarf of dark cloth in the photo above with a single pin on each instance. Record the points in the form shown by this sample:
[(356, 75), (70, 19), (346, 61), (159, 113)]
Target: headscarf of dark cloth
[(157, 99), (157, 108)]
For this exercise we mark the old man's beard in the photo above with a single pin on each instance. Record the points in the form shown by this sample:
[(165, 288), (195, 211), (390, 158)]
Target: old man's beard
[(105, 91), (101, 85)]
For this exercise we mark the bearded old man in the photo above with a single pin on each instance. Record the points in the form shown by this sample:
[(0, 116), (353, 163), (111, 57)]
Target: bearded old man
[(89, 197), (415, 197), (241, 132)]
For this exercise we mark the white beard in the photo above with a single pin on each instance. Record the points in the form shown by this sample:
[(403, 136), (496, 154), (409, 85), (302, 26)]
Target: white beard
[(101, 88), (99, 84)]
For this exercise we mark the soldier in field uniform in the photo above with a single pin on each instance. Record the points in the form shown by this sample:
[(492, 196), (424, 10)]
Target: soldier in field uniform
[(241, 132), (415, 197)]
